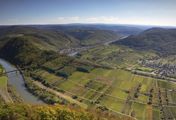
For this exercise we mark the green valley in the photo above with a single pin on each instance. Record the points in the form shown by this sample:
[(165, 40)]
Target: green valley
[(110, 81), (87, 60)]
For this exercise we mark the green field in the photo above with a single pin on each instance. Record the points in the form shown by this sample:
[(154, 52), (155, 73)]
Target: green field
[(117, 56), (116, 89)]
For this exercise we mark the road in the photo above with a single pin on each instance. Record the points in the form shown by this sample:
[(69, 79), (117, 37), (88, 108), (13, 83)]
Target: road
[(61, 95), (75, 51)]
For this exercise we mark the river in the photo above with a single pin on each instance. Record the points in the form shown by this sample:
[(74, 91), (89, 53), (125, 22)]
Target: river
[(75, 51), (16, 80)]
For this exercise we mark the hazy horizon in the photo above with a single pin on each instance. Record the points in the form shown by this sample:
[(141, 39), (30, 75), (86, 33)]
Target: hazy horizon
[(137, 12)]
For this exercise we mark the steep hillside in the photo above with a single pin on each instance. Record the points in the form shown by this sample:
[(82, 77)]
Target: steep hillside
[(21, 51), (163, 41), (48, 38)]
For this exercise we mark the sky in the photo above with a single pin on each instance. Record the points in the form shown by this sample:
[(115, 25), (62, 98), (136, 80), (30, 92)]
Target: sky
[(140, 12)]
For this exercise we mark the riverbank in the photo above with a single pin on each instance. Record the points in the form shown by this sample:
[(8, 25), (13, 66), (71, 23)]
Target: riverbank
[(16, 80)]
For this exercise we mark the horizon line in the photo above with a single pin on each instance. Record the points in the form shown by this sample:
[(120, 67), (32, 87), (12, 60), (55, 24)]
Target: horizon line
[(123, 24)]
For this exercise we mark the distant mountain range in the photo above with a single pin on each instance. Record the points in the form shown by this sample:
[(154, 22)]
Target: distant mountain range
[(120, 29)]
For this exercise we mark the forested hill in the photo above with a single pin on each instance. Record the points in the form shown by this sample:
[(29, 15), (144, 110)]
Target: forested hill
[(58, 39), (161, 40), (49, 38), (22, 51)]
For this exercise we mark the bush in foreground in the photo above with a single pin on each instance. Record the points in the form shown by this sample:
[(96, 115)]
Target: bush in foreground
[(39, 112)]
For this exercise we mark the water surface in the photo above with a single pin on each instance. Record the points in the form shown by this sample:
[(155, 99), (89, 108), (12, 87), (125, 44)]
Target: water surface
[(16, 80)]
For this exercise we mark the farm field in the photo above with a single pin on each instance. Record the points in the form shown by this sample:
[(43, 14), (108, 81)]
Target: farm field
[(117, 56), (88, 60), (119, 91)]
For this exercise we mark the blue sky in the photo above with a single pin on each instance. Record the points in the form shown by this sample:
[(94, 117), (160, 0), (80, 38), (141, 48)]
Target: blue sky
[(147, 12)]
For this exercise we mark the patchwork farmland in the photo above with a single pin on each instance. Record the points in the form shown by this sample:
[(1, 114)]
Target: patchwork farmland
[(117, 90)]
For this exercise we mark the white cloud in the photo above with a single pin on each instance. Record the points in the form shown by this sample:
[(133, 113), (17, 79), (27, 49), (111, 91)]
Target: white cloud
[(68, 19), (109, 20), (95, 19), (103, 19), (61, 18), (77, 19)]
